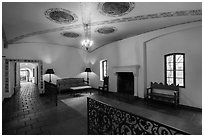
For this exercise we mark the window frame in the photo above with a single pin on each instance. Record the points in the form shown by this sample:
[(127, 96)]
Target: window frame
[(102, 62), (174, 68)]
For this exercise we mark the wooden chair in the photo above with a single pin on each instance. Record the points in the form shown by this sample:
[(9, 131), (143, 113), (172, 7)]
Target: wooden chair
[(105, 87)]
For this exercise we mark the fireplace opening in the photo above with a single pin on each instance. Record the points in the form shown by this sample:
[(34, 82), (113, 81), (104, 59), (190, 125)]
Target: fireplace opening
[(125, 83)]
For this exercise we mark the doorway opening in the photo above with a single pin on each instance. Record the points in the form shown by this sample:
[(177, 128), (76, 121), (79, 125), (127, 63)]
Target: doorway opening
[(28, 72), (22, 70)]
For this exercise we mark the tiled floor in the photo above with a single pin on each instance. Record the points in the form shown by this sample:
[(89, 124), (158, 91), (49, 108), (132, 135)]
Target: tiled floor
[(28, 113)]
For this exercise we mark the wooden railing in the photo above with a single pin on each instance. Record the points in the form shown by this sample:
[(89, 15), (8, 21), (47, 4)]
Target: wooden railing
[(104, 119)]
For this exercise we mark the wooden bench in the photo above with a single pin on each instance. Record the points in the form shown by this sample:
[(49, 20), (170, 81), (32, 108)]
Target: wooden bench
[(162, 92)]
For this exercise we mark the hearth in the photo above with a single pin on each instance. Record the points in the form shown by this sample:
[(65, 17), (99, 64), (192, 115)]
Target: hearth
[(134, 69), (125, 83)]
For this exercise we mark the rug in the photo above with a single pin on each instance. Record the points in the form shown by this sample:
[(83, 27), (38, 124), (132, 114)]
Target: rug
[(78, 103)]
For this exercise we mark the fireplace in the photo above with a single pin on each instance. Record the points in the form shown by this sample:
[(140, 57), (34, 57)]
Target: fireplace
[(133, 70), (125, 83)]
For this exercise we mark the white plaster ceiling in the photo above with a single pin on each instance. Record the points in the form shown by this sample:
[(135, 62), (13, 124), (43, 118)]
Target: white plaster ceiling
[(25, 22)]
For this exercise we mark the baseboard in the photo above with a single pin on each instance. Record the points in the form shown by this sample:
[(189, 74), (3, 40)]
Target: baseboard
[(190, 108), (180, 105)]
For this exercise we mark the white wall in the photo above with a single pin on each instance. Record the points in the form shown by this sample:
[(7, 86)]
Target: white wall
[(189, 42), (121, 53), (70, 62), (132, 51), (66, 61)]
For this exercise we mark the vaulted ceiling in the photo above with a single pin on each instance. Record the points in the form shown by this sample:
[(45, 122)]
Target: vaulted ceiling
[(60, 23)]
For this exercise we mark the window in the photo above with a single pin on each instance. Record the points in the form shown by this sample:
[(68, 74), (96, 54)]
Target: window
[(175, 69), (103, 69)]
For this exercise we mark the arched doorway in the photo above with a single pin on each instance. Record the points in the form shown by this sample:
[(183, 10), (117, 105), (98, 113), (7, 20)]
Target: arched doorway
[(24, 75), (28, 72)]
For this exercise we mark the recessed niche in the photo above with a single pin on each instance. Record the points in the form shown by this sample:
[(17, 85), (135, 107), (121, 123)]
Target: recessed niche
[(106, 30), (70, 34), (115, 9), (60, 15)]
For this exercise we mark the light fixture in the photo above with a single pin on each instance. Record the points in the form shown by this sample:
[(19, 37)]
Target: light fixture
[(88, 70), (50, 71), (86, 20), (87, 43)]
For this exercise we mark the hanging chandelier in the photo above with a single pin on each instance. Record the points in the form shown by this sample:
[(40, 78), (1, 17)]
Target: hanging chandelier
[(86, 19), (87, 43)]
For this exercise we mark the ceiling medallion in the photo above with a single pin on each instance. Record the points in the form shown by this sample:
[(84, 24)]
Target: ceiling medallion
[(70, 34), (115, 9), (106, 30), (60, 15)]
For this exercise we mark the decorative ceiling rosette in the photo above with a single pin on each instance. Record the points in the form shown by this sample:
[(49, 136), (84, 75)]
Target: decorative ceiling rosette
[(61, 16), (70, 34), (106, 30), (115, 9)]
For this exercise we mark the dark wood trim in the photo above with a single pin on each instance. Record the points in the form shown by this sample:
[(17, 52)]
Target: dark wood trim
[(184, 71), (180, 106), (165, 69), (190, 108), (15, 73), (4, 38), (173, 98), (156, 85), (37, 74), (174, 68), (40, 64), (104, 67)]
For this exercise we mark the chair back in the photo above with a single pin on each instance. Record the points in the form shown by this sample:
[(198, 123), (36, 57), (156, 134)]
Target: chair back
[(105, 86), (105, 81)]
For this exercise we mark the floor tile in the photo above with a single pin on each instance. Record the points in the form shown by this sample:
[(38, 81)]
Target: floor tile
[(29, 113)]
